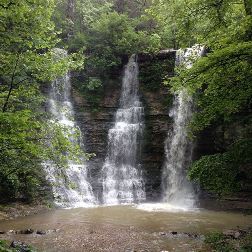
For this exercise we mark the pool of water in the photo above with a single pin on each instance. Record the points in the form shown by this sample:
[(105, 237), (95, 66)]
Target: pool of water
[(122, 228)]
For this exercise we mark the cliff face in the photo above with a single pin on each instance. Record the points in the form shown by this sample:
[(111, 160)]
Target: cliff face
[(95, 120), (157, 102), (95, 116)]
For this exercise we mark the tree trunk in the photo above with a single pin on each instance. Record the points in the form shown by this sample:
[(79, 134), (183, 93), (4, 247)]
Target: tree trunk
[(70, 16), (6, 103)]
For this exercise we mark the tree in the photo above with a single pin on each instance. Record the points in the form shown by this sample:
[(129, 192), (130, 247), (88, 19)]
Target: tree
[(220, 83), (27, 62)]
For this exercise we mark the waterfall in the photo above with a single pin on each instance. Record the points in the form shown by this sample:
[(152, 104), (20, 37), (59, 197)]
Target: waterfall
[(177, 190), (70, 185), (122, 180)]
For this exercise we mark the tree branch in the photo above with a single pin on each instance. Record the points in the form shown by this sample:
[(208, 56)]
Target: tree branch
[(11, 86)]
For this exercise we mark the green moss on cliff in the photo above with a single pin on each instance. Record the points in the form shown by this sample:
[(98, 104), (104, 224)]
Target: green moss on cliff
[(152, 73)]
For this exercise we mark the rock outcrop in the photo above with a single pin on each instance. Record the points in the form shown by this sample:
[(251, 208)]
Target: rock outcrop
[(95, 121)]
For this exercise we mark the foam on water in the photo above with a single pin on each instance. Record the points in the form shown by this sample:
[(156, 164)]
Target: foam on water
[(163, 207)]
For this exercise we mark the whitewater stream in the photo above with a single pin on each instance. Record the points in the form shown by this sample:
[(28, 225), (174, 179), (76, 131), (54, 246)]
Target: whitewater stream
[(177, 190), (122, 180), (70, 185)]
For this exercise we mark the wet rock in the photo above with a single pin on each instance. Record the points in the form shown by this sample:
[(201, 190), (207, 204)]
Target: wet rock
[(162, 233), (27, 231), (129, 250), (31, 231), (20, 246), (161, 55), (237, 235), (41, 232), (234, 234), (192, 235), (11, 231), (175, 234), (49, 231)]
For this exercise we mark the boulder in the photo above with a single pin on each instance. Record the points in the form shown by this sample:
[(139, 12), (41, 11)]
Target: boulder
[(41, 232), (175, 234), (26, 231), (234, 234)]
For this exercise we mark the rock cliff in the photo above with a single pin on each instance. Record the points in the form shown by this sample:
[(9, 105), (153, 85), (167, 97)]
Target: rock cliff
[(96, 119)]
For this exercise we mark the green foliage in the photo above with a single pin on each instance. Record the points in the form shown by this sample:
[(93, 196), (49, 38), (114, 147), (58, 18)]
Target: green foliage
[(220, 173), (221, 243), (218, 243), (246, 243), (224, 77), (88, 11), (4, 246), (167, 16), (215, 173), (93, 83), (220, 81), (90, 88), (153, 73), (19, 151), (114, 35), (28, 61), (184, 23), (109, 31), (108, 37)]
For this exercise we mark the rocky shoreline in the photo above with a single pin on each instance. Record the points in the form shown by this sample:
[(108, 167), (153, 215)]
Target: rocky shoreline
[(235, 239), (59, 233), (14, 210)]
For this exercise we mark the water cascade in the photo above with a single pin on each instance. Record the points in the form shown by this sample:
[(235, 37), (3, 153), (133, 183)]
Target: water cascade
[(70, 185), (177, 190), (122, 180)]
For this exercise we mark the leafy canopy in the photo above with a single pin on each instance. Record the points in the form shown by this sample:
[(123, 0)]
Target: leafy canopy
[(28, 61), (220, 81)]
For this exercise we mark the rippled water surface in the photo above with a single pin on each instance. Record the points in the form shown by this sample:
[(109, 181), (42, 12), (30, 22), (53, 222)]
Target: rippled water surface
[(122, 228)]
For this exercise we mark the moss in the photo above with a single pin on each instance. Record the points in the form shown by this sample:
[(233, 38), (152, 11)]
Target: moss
[(93, 96), (152, 73), (218, 242), (167, 100)]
